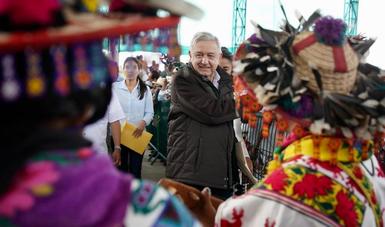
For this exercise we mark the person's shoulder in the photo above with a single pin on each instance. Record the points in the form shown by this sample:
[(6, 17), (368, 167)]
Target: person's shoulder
[(74, 164), (120, 78), (57, 175), (223, 74), (148, 88), (117, 84), (184, 74)]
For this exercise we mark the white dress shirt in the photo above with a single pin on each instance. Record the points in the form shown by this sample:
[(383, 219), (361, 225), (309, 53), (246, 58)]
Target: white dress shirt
[(216, 79), (97, 132)]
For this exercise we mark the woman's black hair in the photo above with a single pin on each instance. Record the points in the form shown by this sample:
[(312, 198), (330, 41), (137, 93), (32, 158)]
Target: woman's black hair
[(142, 85), (154, 75)]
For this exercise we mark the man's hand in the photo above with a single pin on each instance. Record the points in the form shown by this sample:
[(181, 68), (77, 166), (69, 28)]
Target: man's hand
[(208, 211), (249, 163), (200, 203), (139, 130)]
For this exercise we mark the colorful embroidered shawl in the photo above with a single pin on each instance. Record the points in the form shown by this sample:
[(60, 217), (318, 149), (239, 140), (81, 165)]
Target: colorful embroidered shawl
[(80, 188)]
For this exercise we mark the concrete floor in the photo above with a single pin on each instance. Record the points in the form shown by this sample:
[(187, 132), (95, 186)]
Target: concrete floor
[(152, 172)]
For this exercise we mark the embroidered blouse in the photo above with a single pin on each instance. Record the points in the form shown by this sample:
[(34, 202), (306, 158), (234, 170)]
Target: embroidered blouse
[(305, 191)]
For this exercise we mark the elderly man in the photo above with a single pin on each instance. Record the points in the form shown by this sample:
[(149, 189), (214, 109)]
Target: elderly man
[(201, 136)]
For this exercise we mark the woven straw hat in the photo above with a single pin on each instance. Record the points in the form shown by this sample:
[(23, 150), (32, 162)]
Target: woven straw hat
[(336, 64), (314, 78)]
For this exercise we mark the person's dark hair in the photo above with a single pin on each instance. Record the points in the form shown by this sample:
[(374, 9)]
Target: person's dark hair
[(170, 67), (226, 53), (155, 75), (142, 85), (23, 122)]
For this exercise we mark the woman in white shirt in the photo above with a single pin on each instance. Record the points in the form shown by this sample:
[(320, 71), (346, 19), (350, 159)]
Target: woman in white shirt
[(136, 100)]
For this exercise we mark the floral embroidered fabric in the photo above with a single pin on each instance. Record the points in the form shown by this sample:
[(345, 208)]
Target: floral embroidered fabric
[(304, 191), (319, 192), (81, 188)]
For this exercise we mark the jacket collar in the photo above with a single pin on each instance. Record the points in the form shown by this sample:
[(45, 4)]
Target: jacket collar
[(223, 76)]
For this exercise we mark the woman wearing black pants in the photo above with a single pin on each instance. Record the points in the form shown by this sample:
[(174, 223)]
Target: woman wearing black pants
[(131, 162), (136, 101)]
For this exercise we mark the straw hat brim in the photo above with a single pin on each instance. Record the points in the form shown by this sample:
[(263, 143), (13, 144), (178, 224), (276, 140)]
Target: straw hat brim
[(81, 28), (90, 26), (176, 7)]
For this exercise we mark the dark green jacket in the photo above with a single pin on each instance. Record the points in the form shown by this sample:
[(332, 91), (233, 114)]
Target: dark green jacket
[(201, 135)]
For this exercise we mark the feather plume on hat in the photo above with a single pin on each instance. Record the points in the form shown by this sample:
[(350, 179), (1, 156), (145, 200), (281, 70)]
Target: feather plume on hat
[(314, 74)]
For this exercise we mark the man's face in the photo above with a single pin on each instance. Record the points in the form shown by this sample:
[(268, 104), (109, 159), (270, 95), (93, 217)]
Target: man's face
[(226, 65), (204, 57)]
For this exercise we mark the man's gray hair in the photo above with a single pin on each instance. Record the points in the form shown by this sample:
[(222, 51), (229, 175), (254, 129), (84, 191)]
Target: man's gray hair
[(204, 36)]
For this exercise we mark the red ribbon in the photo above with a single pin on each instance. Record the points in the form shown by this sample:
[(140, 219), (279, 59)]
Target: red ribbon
[(308, 41), (339, 60), (338, 52)]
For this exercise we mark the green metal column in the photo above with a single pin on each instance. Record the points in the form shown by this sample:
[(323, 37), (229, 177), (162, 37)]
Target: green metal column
[(351, 16), (239, 23)]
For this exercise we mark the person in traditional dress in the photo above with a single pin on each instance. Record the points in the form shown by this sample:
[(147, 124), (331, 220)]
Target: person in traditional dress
[(324, 173)]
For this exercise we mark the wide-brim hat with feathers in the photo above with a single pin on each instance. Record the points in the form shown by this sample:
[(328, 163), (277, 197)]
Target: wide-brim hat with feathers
[(315, 76), (52, 49), (43, 23)]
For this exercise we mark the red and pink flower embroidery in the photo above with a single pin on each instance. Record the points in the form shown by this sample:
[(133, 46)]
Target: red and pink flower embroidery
[(34, 180), (236, 219), (345, 209), (277, 180), (269, 223), (313, 185), (325, 165), (380, 173), (84, 153), (358, 172)]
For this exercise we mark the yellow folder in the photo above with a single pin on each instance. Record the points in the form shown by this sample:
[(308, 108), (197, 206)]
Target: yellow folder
[(136, 144)]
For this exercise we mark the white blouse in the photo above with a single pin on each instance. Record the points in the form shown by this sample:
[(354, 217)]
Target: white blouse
[(134, 109)]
